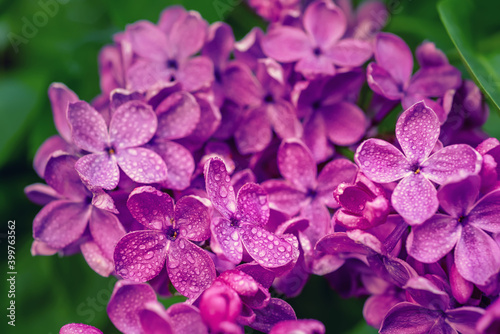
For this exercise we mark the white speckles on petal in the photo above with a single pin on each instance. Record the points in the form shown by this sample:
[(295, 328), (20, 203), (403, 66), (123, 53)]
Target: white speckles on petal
[(142, 168)]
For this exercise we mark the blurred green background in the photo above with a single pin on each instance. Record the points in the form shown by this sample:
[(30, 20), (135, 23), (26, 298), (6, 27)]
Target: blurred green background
[(53, 291)]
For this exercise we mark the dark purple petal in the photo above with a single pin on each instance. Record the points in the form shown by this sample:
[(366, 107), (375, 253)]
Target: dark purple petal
[(98, 170), (425, 293), (96, 259), (127, 300), (41, 194), (196, 73), (61, 222), (286, 44), (417, 131), (407, 316), (228, 238), (179, 162), (277, 310), (190, 268), (79, 329), (485, 214), (452, 161), (140, 255), (254, 133), (186, 319), (188, 34), (284, 197), (477, 255), (219, 188), (345, 123), (132, 124), (220, 43), (253, 205), (435, 81), (151, 207), (392, 53), (458, 196), (350, 52), (428, 56), (89, 130), (303, 326), (338, 243), (178, 116), (269, 250), (433, 239), (142, 165), (464, 319), (61, 175), (382, 83), (106, 230), (380, 161), (415, 199), (297, 165), (325, 23), (60, 97), (192, 217)]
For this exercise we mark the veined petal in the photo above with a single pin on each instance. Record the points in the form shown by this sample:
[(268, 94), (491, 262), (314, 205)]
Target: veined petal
[(286, 44), (228, 238), (252, 205), (142, 165), (178, 116), (297, 165), (486, 213), (190, 268), (433, 239), (219, 188), (381, 161), (415, 199), (132, 124), (407, 314), (192, 217), (150, 207), (140, 255), (89, 130)]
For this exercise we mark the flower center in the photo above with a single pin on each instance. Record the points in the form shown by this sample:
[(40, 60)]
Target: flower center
[(269, 98), (234, 222), (172, 233), (317, 51), (110, 150), (172, 64)]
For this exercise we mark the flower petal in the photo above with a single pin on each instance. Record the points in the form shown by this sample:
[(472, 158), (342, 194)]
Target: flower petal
[(140, 255), (61, 175), (196, 73), (382, 83), (179, 162), (188, 34), (277, 310), (269, 250), (132, 124), (433, 239), (60, 97), (457, 198), (392, 54), (192, 217), (350, 52), (178, 116), (316, 139), (417, 131), (403, 314), (98, 170), (380, 161), (485, 214), (190, 268), (96, 259), (41, 194), (219, 188), (186, 318), (151, 207), (284, 120), (148, 41), (284, 197), (435, 81), (88, 128), (154, 320), (333, 174), (297, 165), (252, 205), (46, 150), (142, 165), (286, 44), (106, 230), (477, 255), (228, 238), (345, 123), (464, 319), (324, 22), (78, 329), (254, 133)]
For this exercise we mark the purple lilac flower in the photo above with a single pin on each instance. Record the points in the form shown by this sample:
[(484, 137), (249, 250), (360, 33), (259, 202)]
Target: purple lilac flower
[(242, 220), (64, 220), (275, 10), (303, 326), (141, 255), (417, 131), (219, 307), (133, 124), (319, 48), (464, 228), (490, 172), (390, 75), (249, 50), (368, 19), (79, 329)]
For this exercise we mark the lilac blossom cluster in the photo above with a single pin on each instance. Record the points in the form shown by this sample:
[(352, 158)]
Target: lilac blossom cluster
[(214, 168)]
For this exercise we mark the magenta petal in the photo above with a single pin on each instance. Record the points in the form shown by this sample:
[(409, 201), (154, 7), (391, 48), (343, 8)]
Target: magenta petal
[(382, 83), (315, 137), (284, 197), (219, 188), (178, 116), (60, 97), (252, 205), (61, 175), (345, 123), (179, 162), (403, 314), (132, 124), (464, 319), (46, 150), (377, 306), (144, 75), (241, 86), (41, 194), (381, 161), (417, 131), (277, 310), (415, 198), (96, 259), (88, 128), (325, 23), (192, 217), (154, 320), (60, 223), (188, 34), (186, 318), (106, 230), (429, 56), (151, 207), (477, 255), (196, 73), (264, 247), (485, 214), (229, 239), (148, 41), (435, 81), (286, 44), (220, 43), (297, 165), (190, 268), (392, 53), (333, 174), (314, 67), (169, 16), (254, 133), (451, 161), (79, 329), (284, 120), (433, 239), (140, 255), (457, 198), (98, 170), (127, 300), (350, 52), (305, 326), (142, 165)]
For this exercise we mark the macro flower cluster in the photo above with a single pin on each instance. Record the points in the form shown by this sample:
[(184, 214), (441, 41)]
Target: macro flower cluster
[(230, 171)]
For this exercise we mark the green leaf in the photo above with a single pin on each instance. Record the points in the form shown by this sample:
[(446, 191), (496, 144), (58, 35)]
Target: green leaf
[(467, 27)]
